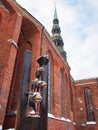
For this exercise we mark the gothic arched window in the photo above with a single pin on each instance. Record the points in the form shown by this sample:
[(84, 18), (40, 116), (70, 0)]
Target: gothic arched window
[(89, 105)]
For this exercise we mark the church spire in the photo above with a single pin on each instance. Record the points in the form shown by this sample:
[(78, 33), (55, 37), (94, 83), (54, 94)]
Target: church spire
[(55, 14), (56, 37)]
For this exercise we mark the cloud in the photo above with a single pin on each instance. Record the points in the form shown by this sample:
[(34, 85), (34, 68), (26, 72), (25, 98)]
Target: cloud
[(81, 41), (85, 59), (25, 4), (79, 29)]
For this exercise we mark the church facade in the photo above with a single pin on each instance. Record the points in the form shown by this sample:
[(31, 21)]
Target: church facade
[(30, 60)]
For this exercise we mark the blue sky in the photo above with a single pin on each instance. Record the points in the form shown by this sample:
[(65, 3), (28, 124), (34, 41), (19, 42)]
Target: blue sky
[(79, 29)]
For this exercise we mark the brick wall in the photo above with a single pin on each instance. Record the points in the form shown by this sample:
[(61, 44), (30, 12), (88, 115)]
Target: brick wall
[(7, 55), (26, 41), (57, 124), (80, 109), (28, 36)]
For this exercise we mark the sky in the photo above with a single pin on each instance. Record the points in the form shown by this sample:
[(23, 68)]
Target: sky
[(78, 21)]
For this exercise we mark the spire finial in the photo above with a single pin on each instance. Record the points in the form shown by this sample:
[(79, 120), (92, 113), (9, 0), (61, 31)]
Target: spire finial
[(55, 13)]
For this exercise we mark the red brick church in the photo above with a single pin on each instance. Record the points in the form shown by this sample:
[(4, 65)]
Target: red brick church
[(37, 91)]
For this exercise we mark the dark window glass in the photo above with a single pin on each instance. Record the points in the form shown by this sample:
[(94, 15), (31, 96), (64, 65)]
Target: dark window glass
[(89, 105), (66, 96), (61, 93)]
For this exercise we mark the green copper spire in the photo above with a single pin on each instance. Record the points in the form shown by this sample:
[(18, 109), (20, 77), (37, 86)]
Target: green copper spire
[(56, 37), (55, 14)]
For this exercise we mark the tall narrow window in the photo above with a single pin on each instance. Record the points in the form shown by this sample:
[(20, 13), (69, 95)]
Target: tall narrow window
[(61, 93), (89, 105), (49, 85), (66, 96)]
